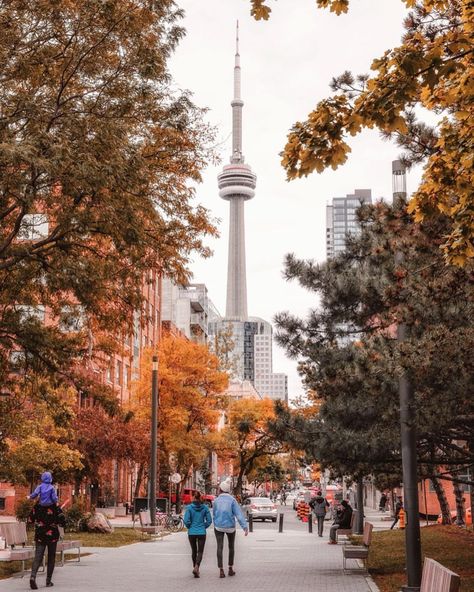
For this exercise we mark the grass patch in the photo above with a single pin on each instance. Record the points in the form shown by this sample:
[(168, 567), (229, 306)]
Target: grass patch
[(450, 545), (118, 538)]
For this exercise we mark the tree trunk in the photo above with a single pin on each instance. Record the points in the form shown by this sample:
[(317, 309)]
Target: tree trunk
[(178, 498), (238, 486), (442, 500), (138, 483), (94, 492), (359, 525), (460, 511)]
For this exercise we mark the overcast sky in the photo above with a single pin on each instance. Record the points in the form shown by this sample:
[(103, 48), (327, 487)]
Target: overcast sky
[(287, 64)]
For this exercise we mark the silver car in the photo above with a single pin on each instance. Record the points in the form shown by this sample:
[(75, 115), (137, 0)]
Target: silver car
[(260, 508)]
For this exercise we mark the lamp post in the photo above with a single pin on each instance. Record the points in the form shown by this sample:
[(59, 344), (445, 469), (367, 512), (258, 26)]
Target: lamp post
[(408, 432), (154, 436)]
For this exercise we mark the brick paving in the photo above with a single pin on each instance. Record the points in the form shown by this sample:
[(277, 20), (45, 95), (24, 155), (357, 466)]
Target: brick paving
[(266, 561)]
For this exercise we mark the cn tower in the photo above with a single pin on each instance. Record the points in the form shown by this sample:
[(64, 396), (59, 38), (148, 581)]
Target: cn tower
[(237, 184)]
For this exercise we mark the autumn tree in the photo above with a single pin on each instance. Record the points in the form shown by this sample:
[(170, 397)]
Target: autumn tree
[(247, 439), (191, 387), (36, 431), (432, 68), (97, 152)]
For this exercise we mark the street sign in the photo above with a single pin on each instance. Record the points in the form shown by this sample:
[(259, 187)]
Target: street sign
[(175, 478)]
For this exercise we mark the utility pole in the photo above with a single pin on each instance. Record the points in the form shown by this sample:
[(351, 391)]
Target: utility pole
[(408, 431), (154, 436)]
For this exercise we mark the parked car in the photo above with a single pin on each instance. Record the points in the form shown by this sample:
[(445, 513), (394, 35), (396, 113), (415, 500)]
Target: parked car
[(299, 498), (454, 516), (260, 508)]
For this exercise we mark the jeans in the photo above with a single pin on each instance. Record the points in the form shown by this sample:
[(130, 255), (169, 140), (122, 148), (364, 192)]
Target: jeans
[(39, 554), (220, 547), (197, 542), (320, 524), (332, 532)]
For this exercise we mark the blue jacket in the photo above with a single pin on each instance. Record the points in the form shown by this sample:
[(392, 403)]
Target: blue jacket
[(197, 518), (225, 510), (45, 491)]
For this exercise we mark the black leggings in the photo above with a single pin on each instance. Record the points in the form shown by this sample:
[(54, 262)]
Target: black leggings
[(39, 554), (220, 547), (197, 542)]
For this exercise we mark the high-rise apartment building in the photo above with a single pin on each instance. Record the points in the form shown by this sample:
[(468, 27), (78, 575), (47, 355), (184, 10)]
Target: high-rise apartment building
[(188, 309), (341, 219)]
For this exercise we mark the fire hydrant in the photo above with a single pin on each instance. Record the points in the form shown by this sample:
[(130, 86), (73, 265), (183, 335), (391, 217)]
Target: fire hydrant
[(401, 519)]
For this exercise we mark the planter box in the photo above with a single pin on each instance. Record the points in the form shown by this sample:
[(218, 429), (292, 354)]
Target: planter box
[(107, 512)]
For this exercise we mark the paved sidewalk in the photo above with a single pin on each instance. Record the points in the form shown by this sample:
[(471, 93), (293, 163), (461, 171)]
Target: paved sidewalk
[(266, 561)]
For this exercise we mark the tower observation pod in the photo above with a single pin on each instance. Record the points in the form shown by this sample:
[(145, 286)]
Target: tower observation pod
[(237, 184)]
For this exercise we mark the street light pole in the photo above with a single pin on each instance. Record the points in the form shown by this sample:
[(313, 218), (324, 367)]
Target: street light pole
[(410, 475), (154, 436), (408, 431)]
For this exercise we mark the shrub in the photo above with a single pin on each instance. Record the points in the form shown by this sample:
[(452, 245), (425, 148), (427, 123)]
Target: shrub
[(76, 518), (23, 509)]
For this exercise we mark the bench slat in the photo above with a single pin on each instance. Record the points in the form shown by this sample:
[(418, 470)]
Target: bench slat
[(437, 578)]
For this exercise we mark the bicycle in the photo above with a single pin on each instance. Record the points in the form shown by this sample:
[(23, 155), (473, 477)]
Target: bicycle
[(170, 522)]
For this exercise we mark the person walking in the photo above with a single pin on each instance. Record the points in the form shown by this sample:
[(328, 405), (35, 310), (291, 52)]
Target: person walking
[(283, 497), (226, 510), (398, 507), (319, 505), (383, 502), (46, 520), (343, 520), (197, 520)]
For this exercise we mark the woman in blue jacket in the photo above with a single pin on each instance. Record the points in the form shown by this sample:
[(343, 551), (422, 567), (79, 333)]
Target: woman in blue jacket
[(226, 510), (196, 519)]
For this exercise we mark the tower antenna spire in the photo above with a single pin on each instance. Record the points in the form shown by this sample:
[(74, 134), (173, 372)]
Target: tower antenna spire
[(237, 39)]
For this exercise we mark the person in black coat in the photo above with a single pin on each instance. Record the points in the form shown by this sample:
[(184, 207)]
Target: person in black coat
[(398, 507), (343, 520), (46, 520)]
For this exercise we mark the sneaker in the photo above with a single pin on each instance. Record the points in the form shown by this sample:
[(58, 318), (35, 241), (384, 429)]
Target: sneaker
[(231, 571), (49, 584), (332, 543), (221, 573), (196, 571), (33, 584)]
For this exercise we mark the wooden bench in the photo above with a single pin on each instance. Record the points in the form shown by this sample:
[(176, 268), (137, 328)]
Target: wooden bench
[(16, 539), (358, 551), (67, 545), (346, 531), (437, 578), (146, 527)]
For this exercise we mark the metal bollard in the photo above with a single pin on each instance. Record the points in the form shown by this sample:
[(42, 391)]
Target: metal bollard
[(280, 523), (250, 523), (310, 522)]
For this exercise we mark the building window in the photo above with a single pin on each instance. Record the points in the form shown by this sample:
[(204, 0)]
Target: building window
[(32, 312), (118, 372), (72, 318)]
